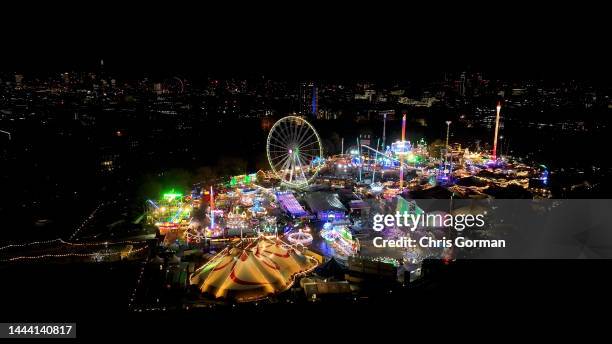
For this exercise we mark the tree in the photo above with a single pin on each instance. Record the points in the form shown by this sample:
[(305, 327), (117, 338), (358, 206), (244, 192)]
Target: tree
[(205, 174), (231, 166), (154, 185)]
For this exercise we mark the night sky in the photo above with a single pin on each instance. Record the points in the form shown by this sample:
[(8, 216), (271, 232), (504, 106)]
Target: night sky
[(333, 42)]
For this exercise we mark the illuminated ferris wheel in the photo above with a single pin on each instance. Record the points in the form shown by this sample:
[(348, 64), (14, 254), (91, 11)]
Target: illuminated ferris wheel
[(293, 145)]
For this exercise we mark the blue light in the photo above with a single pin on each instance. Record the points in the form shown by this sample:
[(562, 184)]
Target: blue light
[(544, 177)]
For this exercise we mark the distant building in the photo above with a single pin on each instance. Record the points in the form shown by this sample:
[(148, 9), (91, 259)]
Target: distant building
[(423, 102), (308, 99), (367, 95), (365, 139), (157, 88), (361, 269), (18, 80), (328, 114), (462, 84)]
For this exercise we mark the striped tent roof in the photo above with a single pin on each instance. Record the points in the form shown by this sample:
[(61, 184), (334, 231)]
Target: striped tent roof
[(252, 269)]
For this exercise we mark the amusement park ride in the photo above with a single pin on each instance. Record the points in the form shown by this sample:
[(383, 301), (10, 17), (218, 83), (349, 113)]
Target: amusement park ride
[(293, 148), (171, 212), (251, 213), (295, 154)]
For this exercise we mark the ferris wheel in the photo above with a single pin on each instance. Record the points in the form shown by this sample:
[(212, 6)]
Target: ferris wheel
[(293, 144)]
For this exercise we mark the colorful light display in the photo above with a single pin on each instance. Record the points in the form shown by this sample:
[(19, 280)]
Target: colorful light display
[(386, 260), (292, 145), (376, 187), (401, 167), (212, 208), (257, 209), (246, 200), (498, 109), (171, 196), (236, 220), (341, 240), (290, 203), (241, 273), (401, 147), (300, 238), (329, 235)]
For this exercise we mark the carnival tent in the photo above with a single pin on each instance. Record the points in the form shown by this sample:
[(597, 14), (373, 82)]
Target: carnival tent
[(252, 269), (331, 269)]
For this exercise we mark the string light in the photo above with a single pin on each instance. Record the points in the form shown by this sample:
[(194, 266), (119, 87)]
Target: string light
[(87, 219), (301, 238), (103, 243), (64, 255), (30, 243), (60, 240), (384, 259), (133, 294)]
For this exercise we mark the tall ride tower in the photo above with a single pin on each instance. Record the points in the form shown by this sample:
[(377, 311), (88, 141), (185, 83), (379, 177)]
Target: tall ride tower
[(402, 155), (496, 132)]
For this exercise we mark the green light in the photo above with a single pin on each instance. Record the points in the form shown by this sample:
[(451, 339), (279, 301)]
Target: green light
[(346, 234), (233, 181), (172, 195), (414, 158)]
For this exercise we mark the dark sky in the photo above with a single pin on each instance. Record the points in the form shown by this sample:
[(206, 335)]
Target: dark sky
[(341, 41)]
